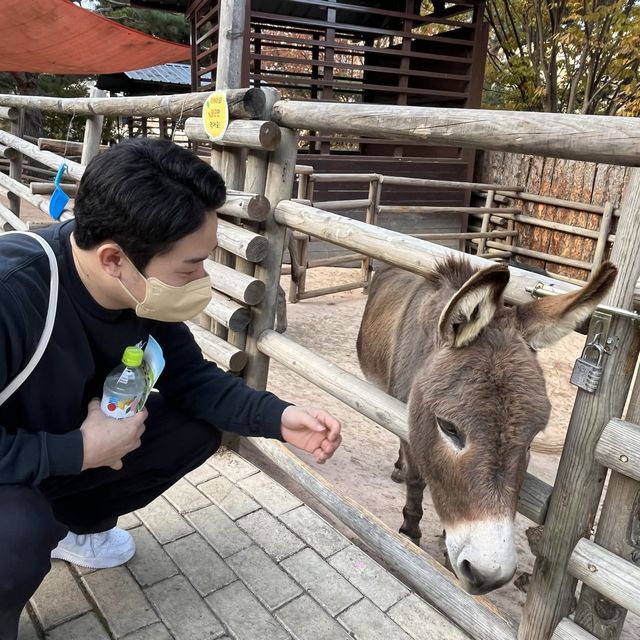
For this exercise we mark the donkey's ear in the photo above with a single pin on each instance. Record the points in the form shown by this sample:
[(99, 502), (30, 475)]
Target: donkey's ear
[(473, 306), (546, 320)]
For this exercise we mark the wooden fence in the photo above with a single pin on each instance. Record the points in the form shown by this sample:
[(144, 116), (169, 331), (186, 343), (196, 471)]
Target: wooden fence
[(546, 183), (566, 554)]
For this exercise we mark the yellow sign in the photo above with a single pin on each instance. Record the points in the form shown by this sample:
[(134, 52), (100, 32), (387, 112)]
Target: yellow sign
[(215, 115)]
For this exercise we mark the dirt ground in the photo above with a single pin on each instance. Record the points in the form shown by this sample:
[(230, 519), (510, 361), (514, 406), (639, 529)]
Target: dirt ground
[(361, 467)]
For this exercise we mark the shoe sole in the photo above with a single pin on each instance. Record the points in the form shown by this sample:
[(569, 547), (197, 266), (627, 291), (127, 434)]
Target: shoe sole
[(104, 563)]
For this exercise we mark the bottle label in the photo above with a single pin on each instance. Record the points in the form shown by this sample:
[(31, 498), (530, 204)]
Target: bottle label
[(119, 408)]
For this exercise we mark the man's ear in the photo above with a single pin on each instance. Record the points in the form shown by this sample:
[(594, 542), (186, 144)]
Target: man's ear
[(111, 258)]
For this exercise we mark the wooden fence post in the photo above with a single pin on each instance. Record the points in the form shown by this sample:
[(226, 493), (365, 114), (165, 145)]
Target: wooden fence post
[(620, 510), (92, 131), (15, 165), (580, 478), (280, 178)]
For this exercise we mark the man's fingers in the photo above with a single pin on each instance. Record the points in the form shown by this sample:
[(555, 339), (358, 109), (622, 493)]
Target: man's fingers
[(116, 465), (94, 404)]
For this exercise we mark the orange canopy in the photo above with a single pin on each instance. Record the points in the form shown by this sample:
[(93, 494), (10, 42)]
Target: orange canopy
[(58, 37)]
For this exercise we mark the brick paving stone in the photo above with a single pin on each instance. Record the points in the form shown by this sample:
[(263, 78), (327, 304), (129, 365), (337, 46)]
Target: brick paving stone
[(164, 521), (88, 627), (321, 581), (220, 531), (306, 620), (315, 531), (59, 597), (231, 465), (422, 622), (150, 563), (233, 501), (185, 497), (366, 622), (183, 610), (369, 577), (129, 521), (272, 496), (155, 632), (246, 618), (270, 534), (120, 600), (201, 474), (264, 577), (26, 630), (204, 568)]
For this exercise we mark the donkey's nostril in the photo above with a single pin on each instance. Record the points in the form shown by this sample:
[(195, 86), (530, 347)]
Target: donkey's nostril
[(472, 576)]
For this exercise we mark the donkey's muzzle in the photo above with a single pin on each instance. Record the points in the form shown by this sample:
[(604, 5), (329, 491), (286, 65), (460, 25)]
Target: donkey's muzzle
[(482, 554)]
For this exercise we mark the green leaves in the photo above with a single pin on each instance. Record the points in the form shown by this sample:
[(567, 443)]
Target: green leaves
[(569, 56)]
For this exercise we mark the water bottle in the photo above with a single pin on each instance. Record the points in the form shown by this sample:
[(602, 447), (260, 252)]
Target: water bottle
[(124, 389)]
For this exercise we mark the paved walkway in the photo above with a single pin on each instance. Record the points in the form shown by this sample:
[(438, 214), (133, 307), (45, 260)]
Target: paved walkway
[(229, 553)]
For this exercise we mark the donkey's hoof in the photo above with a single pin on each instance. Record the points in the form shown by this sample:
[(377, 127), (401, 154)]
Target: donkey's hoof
[(415, 539), (397, 475)]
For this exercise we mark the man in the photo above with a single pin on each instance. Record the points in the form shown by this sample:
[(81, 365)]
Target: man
[(131, 266)]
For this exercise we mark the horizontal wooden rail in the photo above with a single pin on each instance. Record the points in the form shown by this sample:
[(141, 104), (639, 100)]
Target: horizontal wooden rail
[(342, 205), (218, 350), (609, 139), (74, 169), (473, 614), (376, 405), (399, 209), (607, 573), (238, 285), (569, 630), (550, 200), (47, 188), (23, 192), (470, 235), (541, 255), (243, 103), (9, 113), (246, 206), (8, 152), (316, 293), (395, 248), (12, 219), (619, 448), (249, 134), (228, 312), (242, 242), (403, 180)]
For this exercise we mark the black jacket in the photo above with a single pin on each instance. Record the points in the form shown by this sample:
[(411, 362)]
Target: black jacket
[(39, 423)]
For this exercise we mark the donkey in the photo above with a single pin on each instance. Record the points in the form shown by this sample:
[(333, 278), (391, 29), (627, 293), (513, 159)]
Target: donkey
[(466, 365)]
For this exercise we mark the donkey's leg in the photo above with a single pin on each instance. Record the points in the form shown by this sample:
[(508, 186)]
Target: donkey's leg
[(397, 475), (412, 510)]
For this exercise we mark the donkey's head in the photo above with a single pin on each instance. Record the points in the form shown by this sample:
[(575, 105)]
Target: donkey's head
[(475, 406)]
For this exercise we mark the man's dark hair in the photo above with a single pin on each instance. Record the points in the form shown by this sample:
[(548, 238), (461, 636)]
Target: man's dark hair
[(145, 195)]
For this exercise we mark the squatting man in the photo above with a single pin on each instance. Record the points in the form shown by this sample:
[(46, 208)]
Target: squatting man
[(130, 268)]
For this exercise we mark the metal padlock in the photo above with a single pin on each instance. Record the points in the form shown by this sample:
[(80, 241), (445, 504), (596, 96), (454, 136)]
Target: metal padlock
[(587, 374)]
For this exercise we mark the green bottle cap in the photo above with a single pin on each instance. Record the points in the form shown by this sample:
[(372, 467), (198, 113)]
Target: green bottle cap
[(132, 356)]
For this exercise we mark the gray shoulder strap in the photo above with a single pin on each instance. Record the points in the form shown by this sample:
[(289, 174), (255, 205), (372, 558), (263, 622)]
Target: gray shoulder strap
[(49, 322)]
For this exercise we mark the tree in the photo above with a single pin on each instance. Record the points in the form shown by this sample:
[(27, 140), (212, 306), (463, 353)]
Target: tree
[(573, 56)]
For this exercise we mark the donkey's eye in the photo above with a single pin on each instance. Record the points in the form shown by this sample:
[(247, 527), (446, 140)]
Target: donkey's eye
[(449, 429)]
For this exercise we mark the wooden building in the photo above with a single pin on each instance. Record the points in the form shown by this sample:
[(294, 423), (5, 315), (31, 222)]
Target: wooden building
[(405, 52)]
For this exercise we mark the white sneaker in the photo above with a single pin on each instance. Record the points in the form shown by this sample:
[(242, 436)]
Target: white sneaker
[(96, 550)]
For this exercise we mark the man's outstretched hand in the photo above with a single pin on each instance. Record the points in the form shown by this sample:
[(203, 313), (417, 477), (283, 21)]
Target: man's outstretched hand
[(312, 430)]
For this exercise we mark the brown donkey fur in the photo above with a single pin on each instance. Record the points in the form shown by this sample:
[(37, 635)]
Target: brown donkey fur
[(466, 365)]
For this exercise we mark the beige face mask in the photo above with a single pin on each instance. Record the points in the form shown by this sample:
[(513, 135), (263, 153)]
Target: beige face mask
[(171, 304)]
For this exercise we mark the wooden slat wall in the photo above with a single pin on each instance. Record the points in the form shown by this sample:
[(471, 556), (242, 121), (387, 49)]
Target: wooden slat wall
[(586, 182)]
